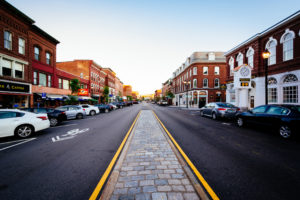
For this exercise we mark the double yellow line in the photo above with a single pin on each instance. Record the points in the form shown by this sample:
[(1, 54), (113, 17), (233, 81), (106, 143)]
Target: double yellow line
[(189, 162), (112, 163)]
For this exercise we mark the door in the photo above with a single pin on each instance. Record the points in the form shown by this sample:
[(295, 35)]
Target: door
[(274, 115), (258, 115), (210, 108), (202, 102), (8, 123), (72, 111)]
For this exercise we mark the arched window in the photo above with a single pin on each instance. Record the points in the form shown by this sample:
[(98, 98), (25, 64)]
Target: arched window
[(195, 83), (290, 89), (231, 65), (272, 81), (290, 78), (271, 46), (205, 83), (250, 56), (287, 40), (217, 83), (239, 59), (195, 71)]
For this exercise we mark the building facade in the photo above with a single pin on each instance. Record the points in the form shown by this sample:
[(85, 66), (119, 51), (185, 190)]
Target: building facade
[(110, 82), (200, 79), (119, 88), (283, 42), (127, 91)]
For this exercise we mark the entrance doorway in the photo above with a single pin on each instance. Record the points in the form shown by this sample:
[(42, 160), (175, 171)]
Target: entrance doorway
[(202, 102)]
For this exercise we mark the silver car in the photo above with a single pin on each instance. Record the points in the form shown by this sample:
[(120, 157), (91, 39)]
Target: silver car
[(217, 110), (73, 112)]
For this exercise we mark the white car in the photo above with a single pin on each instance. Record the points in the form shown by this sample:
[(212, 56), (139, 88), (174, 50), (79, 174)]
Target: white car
[(89, 109), (21, 123)]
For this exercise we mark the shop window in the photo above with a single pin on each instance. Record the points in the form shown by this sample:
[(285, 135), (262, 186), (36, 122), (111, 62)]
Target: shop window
[(217, 70), (66, 84), (37, 53), (60, 83), (19, 69), (21, 46), (35, 78), (42, 79), (290, 94), (205, 70), (205, 83), (272, 95), (49, 81), (217, 83), (48, 58), (7, 40), (6, 67)]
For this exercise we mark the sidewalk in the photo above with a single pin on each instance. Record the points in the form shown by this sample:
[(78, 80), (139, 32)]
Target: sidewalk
[(150, 168)]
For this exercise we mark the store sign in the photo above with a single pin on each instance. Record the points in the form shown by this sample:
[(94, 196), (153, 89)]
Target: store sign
[(11, 87), (83, 92)]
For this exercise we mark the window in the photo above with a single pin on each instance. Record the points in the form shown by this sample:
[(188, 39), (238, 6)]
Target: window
[(290, 78), (275, 110), (19, 70), (272, 95), (205, 83), (48, 58), (217, 83), (205, 70), (231, 66), (6, 67), (250, 56), (239, 59), (287, 40), (36, 53), (195, 71), (42, 79), (272, 81), (7, 40), (60, 83), (191, 72), (271, 46), (217, 70), (195, 83), (290, 94), (211, 56), (260, 109), (66, 84), (35, 78), (21, 46), (49, 81)]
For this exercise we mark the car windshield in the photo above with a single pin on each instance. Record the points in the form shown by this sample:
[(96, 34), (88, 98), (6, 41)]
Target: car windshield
[(225, 105)]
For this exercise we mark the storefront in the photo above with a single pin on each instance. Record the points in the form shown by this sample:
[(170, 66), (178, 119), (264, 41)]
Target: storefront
[(14, 94)]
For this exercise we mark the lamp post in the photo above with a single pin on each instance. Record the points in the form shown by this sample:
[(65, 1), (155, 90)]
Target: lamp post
[(266, 54), (186, 83)]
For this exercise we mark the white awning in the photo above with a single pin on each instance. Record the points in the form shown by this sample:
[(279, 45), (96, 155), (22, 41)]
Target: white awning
[(54, 96), (84, 98)]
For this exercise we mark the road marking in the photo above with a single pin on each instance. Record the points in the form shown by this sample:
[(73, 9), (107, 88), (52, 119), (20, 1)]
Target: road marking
[(192, 166), (13, 141), (64, 125), (28, 140), (112, 163), (70, 134), (228, 124)]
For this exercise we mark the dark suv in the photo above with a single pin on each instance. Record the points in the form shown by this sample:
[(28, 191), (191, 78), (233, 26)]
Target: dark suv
[(55, 116)]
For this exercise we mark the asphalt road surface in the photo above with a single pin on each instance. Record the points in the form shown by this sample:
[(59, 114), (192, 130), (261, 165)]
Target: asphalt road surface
[(49, 167), (238, 163)]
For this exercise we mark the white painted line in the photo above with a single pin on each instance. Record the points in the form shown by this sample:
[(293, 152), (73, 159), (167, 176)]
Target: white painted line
[(12, 141), (64, 125), (17, 144), (226, 123)]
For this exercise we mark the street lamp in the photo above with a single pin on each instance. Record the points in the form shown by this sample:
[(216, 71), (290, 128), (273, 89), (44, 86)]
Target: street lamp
[(266, 54), (186, 83)]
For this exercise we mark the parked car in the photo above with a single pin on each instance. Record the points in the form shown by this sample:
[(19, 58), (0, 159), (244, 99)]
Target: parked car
[(90, 109), (118, 104), (21, 123), (219, 110), (73, 112), (114, 107), (55, 116), (284, 118), (103, 107)]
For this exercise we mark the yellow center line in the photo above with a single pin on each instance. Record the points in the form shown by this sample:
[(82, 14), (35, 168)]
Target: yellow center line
[(112, 163), (192, 166)]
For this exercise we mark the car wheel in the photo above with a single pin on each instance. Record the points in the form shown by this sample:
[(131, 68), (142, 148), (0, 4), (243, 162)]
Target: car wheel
[(79, 116), (285, 131), (24, 131), (214, 116), (106, 110), (92, 113), (201, 113), (240, 122), (53, 122)]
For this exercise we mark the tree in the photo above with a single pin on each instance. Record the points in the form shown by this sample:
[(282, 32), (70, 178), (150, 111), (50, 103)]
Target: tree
[(106, 93), (170, 94), (71, 100), (129, 98), (74, 84)]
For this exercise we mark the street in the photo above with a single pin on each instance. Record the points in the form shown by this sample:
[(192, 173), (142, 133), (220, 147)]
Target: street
[(67, 161)]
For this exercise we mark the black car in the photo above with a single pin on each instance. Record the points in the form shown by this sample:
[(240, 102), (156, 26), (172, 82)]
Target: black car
[(284, 118), (103, 108), (55, 116)]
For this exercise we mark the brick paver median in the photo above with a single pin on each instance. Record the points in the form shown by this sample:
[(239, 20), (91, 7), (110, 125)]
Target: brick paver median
[(150, 169)]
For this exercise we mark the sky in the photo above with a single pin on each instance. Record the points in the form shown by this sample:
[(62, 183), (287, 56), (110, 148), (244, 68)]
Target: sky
[(145, 41)]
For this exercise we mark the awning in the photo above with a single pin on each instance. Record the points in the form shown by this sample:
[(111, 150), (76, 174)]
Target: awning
[(55, 96), (84, 98)]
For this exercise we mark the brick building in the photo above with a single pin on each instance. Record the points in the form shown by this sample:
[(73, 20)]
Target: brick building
[(166, 87), (127, 90), (118, 88), (201, 77), (110, 82), (283, 42)]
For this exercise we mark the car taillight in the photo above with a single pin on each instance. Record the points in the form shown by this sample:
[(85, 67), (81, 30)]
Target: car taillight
[(83, 109), (238, 109), (63, 113), (221, 109), (43, 117)]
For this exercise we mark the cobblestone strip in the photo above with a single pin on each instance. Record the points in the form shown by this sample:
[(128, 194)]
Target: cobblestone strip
[(151, 169)]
